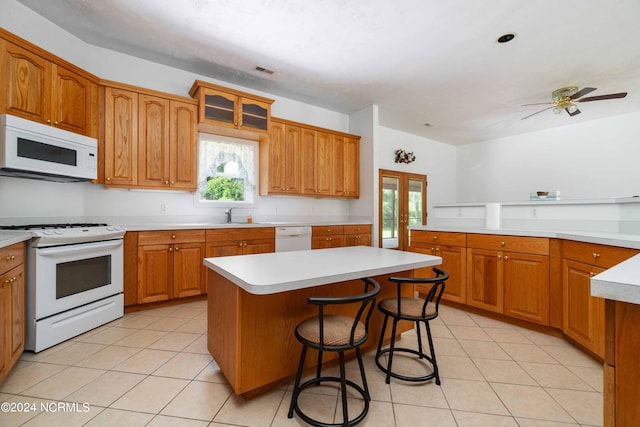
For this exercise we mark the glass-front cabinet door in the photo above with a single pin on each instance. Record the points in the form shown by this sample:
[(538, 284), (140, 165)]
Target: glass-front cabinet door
[(402, 203)]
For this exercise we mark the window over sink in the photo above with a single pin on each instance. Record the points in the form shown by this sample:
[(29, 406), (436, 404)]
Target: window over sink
[(227, 170)]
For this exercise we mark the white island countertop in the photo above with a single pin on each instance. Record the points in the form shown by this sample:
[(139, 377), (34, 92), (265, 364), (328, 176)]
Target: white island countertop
[(619, 283), (270, 273)]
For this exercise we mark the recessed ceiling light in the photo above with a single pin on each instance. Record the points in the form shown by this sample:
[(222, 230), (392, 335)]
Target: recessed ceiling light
[(264, 70), (506, 37)]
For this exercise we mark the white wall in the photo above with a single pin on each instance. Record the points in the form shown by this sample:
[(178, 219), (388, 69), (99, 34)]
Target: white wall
[(29, 198), (434, 159), (591, 160)]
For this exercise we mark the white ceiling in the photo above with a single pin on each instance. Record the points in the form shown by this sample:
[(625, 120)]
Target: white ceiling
[(420, 61)]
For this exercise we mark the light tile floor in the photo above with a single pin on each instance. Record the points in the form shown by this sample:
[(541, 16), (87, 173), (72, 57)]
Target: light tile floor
[(152, 368)]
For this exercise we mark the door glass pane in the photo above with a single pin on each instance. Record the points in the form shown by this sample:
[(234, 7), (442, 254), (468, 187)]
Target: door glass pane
[(390, 206), (415, 202)]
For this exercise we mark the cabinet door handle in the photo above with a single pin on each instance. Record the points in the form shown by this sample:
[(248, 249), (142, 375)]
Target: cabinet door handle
[(499, 256), (591, 274), (49, 121), (177, 248), (506, 257), (170, 248), (55, 123), (107, 179)]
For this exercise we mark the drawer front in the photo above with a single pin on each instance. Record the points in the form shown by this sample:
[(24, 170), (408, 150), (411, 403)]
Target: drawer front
[(11, 256), (438, 237), (599, 255), (327, 230), (167, 237), (357, 229), (527, 245), (226, 234)]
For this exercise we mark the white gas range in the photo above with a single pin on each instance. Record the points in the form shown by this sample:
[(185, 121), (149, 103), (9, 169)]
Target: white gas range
[(74, 280)]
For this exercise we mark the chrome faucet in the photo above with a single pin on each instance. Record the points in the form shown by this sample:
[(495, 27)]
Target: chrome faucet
[(228, 213)]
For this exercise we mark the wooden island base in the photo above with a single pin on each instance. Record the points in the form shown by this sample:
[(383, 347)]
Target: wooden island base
[(252, 338)]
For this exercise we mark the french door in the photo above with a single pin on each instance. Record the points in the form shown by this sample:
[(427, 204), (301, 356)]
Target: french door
[(402, 203)]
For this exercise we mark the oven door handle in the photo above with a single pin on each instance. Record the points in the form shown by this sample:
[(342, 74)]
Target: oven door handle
[(80, 248)]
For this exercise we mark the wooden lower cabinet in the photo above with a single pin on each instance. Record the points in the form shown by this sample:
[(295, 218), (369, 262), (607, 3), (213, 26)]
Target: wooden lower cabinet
[(583, 319), (526, 287), (12, 306), (509, 275), (451, 248), (357, 235), (583, 314), (170, 265), (484, 279), (240, 241), (327, 236)]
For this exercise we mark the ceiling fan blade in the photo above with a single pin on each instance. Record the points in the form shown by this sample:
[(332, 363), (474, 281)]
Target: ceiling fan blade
[(575, 113), (537, 112), (601, 97), (582, 92), (538, 103)]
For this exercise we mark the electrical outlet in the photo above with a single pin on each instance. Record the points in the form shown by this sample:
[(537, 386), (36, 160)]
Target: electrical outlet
[(534, 212), (163, 208)]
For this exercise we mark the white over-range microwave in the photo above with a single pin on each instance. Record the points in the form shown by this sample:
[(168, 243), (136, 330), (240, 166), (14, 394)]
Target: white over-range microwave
[(34, 150)]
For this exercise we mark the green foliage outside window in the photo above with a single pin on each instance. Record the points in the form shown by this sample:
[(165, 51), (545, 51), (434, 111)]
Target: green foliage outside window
[(224, 188)]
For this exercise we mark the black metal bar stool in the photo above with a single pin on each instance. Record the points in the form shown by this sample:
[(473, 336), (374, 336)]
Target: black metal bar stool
[(330, 332), (415, 310)]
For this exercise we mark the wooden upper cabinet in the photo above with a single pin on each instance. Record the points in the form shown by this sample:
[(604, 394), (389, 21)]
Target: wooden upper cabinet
[(233, 109), (74, 101), (284, 159), (346, 170), (316, 162), (153, 141), (28, 83), (183, 162), (300, 159), (120, 137), (150, 141), (45, 90)]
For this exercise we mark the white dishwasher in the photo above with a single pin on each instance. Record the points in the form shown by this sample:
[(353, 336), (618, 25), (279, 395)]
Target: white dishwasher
[(293, 239)]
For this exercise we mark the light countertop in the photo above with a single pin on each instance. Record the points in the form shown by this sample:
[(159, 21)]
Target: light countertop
[(631, 241), (271, 273), (10, 237), (150, 226), (619, 283)]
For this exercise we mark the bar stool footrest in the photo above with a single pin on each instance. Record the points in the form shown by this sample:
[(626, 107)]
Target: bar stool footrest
[(317, 381), (405, 377)]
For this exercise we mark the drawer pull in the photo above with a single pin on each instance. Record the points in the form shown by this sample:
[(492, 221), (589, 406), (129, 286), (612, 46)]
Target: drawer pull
[(11, 257), (435, 237), (502, 243), (596, 255), (592, 274), (173, 236)]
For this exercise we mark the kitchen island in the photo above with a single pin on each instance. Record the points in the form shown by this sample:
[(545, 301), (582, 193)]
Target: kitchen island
[(256, 301), (620, 286)]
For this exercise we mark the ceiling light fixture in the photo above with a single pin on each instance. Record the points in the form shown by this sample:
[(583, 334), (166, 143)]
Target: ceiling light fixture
[(506, 37)]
